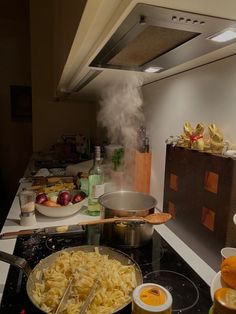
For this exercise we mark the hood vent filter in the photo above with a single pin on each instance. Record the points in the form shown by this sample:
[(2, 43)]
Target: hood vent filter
[(152, 36)]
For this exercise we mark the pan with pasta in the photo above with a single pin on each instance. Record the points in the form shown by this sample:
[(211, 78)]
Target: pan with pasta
[(116, 272)]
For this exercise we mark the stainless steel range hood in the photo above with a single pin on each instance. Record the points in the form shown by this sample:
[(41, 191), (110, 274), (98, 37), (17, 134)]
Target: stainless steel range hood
[(119, 38), (160, 38)]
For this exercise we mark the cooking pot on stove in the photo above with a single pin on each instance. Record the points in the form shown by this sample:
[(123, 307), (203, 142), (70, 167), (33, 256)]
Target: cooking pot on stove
[(125, 204)]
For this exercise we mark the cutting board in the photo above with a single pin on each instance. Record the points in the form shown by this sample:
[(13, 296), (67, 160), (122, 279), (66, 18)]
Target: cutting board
[(142, 171)]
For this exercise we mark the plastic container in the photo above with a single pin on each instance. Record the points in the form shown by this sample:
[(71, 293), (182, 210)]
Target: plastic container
[(151, 298)]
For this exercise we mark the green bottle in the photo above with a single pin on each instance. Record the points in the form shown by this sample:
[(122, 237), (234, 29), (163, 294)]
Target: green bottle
[(95, 184)]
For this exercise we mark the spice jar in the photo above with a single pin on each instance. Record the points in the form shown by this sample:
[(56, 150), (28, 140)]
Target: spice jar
[(151, 298), (224, 301), (27, 207)]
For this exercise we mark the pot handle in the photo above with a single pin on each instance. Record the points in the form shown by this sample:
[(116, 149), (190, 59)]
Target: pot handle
[(16, 261)]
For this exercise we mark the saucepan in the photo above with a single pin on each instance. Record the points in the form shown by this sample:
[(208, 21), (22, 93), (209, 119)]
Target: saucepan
[(35, 276), (126, 204)]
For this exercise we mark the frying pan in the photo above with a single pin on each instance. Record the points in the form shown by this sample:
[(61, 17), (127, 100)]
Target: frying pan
[(48, 261)]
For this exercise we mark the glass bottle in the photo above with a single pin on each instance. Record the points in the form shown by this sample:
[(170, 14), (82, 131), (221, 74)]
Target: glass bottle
[(95, 184)]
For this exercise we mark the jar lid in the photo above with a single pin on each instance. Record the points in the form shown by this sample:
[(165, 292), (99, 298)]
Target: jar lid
[(152, 298), (225, 301)]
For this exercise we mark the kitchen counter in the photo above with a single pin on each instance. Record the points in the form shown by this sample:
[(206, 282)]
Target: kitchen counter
[(12, 223)]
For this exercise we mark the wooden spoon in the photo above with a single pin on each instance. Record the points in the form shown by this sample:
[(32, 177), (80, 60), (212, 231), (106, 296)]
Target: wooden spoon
[(153, 219)]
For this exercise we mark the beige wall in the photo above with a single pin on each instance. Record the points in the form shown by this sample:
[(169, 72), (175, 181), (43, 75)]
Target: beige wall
[(50, 117), (206, 94), (15, 136)]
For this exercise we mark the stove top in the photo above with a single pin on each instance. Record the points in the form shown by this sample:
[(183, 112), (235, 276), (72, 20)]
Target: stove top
[(158, 261)]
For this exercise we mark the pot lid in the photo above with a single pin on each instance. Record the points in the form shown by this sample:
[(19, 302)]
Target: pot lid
[(127, 200)]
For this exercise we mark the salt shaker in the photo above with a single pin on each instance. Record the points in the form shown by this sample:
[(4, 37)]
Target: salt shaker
[(27, 207)]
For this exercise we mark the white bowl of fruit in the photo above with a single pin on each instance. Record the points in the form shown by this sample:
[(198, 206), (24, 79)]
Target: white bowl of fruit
[(60, 204)]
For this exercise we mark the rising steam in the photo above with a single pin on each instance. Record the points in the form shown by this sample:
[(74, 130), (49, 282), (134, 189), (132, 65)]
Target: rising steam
[(121, 115), (121, 112)]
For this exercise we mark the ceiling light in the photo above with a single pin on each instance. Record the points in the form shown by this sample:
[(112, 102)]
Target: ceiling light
[(153, 69), (225, 35)]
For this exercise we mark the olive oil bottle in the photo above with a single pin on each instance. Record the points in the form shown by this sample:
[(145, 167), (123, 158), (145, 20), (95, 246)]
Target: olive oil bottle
[(95, 184)]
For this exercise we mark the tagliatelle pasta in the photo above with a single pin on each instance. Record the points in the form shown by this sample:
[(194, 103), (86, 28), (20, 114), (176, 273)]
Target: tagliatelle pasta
[(116, 283)]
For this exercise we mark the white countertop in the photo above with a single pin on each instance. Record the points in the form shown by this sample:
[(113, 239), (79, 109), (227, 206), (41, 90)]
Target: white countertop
[(13, 224)]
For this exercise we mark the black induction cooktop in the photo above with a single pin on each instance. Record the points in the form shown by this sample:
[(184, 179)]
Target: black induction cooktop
[(158, 261)]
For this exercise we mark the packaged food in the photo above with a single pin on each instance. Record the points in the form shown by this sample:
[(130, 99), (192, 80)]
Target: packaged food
[(151, 298)]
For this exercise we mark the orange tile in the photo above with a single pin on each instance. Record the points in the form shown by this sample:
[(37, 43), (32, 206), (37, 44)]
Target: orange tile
[(172, 209), (174, 182), (211, 181), (208, 218)]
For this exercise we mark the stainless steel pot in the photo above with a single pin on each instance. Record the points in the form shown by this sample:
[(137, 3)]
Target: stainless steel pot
[(125, 204)]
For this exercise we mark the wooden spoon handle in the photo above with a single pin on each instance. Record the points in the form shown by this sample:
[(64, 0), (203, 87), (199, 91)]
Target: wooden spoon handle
[(97, 221), (110, 220)]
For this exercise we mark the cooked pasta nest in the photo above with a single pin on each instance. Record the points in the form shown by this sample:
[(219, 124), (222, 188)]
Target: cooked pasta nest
[(115, 283)]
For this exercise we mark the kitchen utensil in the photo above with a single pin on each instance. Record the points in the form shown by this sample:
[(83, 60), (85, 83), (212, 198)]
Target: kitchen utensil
[(65, 296), (33, 278), (126, 204), (90, 297), (153, 219)]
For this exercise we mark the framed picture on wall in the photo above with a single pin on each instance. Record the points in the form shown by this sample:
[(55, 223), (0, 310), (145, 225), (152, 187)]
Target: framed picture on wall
[(21, 103)]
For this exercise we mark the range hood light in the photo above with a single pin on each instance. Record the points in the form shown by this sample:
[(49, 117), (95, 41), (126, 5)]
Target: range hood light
[(153, 69), (224, 36)]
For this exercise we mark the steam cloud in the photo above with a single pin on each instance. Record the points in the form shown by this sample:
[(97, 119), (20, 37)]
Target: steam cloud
[(121, 112), (121, 115)]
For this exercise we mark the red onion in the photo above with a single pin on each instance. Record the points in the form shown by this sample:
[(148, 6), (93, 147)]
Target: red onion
[(41, 198), (64, 198), (78, 197)]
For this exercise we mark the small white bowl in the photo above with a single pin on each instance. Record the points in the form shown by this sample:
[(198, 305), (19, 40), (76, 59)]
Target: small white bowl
[(61, 211)]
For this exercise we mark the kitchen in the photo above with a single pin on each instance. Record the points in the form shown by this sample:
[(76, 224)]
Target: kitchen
[(203, 93)]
